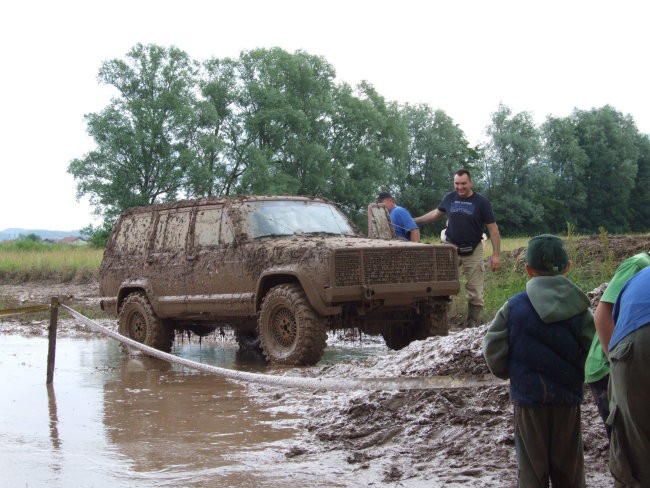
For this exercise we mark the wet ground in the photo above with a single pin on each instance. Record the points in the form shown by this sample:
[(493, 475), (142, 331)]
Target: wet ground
[(116, 420)]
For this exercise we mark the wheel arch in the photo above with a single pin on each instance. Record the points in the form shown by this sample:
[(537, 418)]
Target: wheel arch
[(270, 279), (127, 288)]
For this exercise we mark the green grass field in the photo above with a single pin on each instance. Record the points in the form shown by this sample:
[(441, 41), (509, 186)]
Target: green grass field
[(37, 261)]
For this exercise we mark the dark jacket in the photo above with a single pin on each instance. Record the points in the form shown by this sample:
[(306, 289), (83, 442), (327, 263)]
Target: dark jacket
[(540, 339)]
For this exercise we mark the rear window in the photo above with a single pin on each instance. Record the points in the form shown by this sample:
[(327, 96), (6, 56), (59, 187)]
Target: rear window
[(171, 231), (133, 233)]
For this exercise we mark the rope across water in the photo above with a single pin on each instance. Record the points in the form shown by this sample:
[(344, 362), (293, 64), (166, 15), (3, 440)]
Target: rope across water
[(339, 384)]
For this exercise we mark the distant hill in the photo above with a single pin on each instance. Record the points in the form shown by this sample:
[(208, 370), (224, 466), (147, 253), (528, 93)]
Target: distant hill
[(13, 233)]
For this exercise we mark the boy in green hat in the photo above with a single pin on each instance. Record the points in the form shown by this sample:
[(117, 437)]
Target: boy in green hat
[(539, 339)]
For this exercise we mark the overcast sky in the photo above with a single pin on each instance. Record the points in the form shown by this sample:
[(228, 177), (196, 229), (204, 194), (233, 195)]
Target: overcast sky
[(464, 57)]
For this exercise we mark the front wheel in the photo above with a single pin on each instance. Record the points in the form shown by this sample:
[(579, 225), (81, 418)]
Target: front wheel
[(290, 330), (138, 321)]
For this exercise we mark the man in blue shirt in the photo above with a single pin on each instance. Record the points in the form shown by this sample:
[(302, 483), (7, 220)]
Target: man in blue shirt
[(628, 348), (405, 226)]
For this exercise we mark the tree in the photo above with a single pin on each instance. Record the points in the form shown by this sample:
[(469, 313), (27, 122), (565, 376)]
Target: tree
[(609, 140), (218, 163), (437, 148), (143, 136), (365, 140), (512, 185), (567, 163), (285, 104), (640, 195)]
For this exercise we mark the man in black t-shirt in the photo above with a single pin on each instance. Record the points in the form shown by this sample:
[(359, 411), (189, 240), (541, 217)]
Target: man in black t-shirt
[(468, 213)]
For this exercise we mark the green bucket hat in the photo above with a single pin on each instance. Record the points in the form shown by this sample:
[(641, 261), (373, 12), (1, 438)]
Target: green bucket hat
[(547, 253)]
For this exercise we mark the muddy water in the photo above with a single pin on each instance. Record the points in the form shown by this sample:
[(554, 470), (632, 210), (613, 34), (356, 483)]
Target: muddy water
[(112, 420)]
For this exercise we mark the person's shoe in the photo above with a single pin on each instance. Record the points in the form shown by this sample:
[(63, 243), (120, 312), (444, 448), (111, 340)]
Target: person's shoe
[(473, 315)]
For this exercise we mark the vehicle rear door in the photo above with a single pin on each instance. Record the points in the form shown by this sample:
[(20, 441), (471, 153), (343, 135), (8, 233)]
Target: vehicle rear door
[(215, 287), (166, 262)]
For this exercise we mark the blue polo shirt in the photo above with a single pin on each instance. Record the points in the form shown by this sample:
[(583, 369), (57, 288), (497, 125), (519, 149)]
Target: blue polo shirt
[(632, 307), (402, 222)]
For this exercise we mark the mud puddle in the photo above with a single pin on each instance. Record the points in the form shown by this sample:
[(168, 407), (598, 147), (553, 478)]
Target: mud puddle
[(120, 421)]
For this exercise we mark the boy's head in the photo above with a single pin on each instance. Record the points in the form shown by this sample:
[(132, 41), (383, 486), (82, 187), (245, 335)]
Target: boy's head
[(546, 255)]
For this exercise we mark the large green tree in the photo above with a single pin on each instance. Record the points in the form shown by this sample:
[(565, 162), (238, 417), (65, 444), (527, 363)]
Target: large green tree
[(285, 102), (514, 182), (609, 140), (567, 163), (217, 144), (143, 135), (365, 141)]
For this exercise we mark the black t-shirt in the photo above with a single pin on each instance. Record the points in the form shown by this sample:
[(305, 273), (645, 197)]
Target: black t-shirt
[(466, 217)]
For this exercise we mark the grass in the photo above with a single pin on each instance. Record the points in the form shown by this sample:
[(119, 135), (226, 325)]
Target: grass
[(587, 271), (37, 261)]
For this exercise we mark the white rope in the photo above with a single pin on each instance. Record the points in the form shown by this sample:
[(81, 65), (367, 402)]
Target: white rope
[(399, 383)]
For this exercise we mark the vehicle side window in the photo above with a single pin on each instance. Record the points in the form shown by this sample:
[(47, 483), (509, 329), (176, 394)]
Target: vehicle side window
[(171, 231), (227, 235), (133, 233), (207, 227)]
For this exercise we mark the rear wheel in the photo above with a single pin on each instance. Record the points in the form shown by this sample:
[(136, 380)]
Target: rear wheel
[(430, 321), (138, 321), (399, 336), (247, 340), (290, 330)]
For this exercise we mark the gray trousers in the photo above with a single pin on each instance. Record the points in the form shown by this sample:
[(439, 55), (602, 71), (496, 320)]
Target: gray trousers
[(548, 443), (629, 405)]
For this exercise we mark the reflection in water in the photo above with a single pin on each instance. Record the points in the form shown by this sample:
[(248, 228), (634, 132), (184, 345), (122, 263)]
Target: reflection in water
[(54, 420), (173, 422), (137, 422)]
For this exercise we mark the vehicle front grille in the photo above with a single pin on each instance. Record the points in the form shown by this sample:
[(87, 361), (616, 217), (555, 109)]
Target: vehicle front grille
[(398, 265)]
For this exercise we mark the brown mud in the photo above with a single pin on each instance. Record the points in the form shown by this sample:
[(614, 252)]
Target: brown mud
[(438, 437)]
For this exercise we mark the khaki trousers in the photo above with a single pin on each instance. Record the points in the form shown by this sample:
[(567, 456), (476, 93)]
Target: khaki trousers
[(472, 268)]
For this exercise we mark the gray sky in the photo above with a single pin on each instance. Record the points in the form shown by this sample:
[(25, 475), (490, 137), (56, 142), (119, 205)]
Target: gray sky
[(464, 57)]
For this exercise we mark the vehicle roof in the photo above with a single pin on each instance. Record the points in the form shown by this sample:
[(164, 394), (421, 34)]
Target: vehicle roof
[(222, 200)]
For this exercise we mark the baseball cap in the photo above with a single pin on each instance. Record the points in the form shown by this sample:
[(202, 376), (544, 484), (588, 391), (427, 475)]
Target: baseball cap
[(547, 253)]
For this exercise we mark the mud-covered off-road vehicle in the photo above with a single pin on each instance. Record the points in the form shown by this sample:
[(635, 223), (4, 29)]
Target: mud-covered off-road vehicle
[(279, 270)]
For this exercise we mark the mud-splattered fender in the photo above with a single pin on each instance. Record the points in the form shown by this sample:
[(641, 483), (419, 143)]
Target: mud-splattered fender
[(293, 274), (128, 287)]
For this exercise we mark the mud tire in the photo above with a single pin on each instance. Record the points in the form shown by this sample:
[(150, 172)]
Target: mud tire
[(290, 330), (138, 321), (248, 340), (398, 337), (431, 321)]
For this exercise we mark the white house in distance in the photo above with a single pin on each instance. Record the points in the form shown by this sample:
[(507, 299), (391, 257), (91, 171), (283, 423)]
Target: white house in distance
[(74, 240)]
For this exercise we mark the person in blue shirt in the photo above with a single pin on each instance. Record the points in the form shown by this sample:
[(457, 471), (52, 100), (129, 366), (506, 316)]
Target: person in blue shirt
[(628, 349), (405, 226)]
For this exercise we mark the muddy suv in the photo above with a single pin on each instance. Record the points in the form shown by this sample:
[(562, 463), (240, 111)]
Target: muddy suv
[(279, 270)]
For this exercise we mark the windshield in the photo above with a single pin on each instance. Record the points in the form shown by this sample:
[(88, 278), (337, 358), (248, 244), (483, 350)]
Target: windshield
[(287, 218)]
